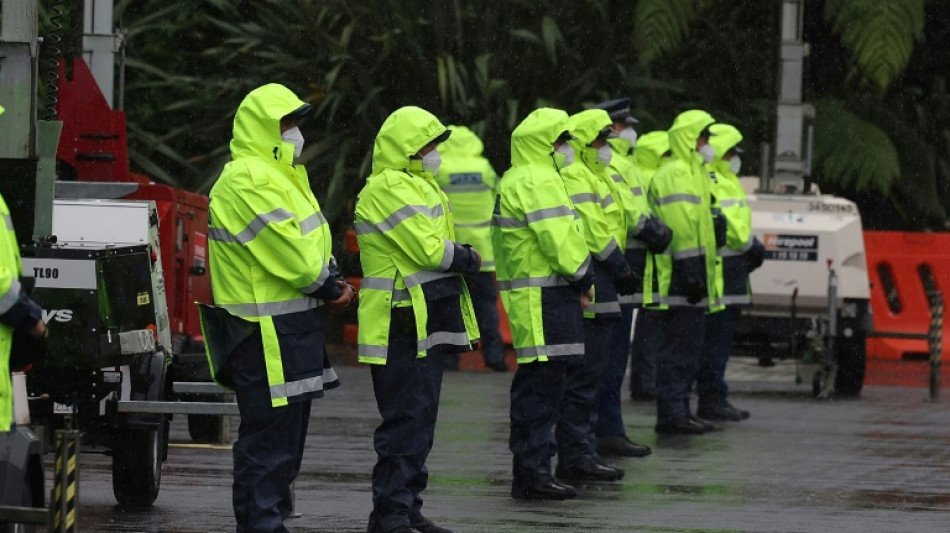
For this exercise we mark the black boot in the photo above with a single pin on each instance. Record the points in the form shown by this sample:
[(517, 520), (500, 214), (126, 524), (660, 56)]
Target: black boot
[(544, 488), (589, 470)]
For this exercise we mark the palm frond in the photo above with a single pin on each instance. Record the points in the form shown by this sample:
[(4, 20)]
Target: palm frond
[(853, 152), (660, 26), (879, 34)]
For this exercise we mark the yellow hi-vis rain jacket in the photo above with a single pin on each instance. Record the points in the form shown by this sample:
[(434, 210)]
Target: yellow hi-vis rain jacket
[(408, 248), (734, 206), (542, 261), (680, 194), (468, 179), (269, 251), (604, 222)]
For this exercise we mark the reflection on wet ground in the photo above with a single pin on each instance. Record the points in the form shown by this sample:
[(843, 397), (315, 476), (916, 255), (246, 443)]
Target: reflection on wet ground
[(798, 465)]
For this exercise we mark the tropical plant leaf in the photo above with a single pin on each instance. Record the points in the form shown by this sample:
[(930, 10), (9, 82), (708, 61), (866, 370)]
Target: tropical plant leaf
[(852, 152), (660, 26), (879, 34)]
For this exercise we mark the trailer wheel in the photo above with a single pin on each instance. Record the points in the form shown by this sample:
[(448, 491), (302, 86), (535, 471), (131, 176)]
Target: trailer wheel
[(137, 466), (851, 358), (210, 429)]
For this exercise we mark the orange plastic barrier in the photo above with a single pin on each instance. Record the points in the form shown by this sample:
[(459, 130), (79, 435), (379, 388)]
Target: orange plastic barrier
[(902, 267)]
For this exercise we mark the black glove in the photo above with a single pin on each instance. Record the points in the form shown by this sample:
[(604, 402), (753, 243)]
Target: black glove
[(628, 284), (466, 260), (694, 279), (655, 234), (26, 349), (720, 227), (755, 255)]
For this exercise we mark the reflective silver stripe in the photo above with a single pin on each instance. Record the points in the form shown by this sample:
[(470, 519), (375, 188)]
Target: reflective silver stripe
[(736, 299), (447, 256), (626, 299), (634, 244), (8, 220), (604, 307), (486, 264), (581, 271), (585, 197), (507, 222), (637, 191), (425, 276), (485, 224), (329, 375), (728, 252), (273, 308), (690, 252), (296, 388), (681, 301), (551, 350), (609, 249), (371, 350), (11, 297), (471, 187), (253, 228), (548, 212), (540, 281), (639, 227), (394, 219), (312, 222), (321, 279), (444, 337), (401, 295), (673, 198), (617, 178), (378, 283), (731, 202), (606, 202)]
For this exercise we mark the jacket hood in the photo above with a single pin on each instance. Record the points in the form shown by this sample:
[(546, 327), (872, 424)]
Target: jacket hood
[(406, 131), (650, 148), (724, 138), (257, 123), (533, 139), (462, 142), (684, 132), (586, 125)]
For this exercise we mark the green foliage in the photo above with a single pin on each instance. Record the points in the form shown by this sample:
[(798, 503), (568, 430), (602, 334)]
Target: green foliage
[(879, 34), (856, 152), (663, 25)]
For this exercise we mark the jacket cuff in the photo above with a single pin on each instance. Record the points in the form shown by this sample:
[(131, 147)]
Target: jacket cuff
[(465, 260), (329, 290), (23, 314)]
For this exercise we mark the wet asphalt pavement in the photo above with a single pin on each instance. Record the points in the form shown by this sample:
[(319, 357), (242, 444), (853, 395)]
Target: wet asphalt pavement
[(881, 463)]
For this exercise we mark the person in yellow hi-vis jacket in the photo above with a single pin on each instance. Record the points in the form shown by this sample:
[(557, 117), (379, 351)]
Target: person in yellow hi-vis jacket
[(469, 181), (414, 308), (741, 254), (271, 274), (684, 284), (22, 330), (544, 276)]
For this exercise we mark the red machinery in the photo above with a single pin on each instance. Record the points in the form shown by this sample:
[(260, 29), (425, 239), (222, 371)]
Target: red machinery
[(94, 148)]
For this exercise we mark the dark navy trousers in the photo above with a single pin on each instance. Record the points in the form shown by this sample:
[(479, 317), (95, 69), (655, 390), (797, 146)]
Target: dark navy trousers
[(536, 393), (269, 447), (643, 356), (680, 335), (484, 295), (717, 345), (578, 415), (609, 418), (407, 392)]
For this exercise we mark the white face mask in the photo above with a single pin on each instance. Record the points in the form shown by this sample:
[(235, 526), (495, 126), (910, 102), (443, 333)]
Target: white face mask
[(604, 153), (294, 137), (630, 135), (568, 152), (735, 165), (708, 153), (432, 161)]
